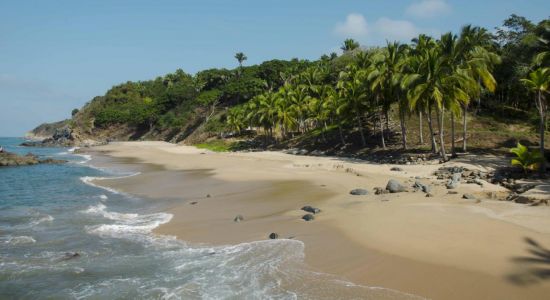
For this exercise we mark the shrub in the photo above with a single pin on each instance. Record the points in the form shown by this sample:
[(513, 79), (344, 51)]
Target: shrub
[(526, 159)]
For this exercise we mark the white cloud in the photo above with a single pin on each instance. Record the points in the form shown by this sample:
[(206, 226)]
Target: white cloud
[(399, 30), (378, 32), (428, 8), (355, 26)]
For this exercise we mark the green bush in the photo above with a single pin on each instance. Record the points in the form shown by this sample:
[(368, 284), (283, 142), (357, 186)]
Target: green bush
[(526, 159)]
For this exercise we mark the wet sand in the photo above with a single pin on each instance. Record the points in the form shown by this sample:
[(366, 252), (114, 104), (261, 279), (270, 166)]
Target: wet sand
[(443, 247)]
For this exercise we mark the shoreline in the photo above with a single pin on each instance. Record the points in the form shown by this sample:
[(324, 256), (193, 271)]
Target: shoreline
[(432, 247)]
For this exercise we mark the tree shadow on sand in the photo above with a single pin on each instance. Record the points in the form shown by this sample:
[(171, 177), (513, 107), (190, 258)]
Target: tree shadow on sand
[(534, 267)]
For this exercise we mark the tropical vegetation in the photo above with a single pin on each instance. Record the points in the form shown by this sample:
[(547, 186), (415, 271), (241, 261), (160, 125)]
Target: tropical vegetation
[(362, 98)]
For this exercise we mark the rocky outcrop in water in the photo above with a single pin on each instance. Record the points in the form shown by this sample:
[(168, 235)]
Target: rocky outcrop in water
[(8, 159)]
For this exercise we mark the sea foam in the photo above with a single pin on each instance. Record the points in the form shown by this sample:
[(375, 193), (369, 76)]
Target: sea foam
[(19, 240), (88, 180)]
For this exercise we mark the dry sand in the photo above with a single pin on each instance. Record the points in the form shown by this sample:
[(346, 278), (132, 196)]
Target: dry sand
[(443, 247)]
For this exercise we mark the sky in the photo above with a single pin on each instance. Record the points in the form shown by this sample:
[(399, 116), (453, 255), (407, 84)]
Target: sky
[(57, 55)]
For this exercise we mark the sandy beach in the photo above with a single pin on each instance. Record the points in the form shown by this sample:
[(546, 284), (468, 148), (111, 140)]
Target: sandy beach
[(440, 247)]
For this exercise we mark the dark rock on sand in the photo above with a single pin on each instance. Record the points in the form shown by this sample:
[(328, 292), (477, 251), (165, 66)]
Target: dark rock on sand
[(452, 192), (308, 217), (359, 192), (311, 209), (423, 187), (394, 186), (468, 196), (396, 169), (273, 236), (238, 218)]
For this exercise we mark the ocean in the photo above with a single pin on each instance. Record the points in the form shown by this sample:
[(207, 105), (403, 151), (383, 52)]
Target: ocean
[(62, 237)]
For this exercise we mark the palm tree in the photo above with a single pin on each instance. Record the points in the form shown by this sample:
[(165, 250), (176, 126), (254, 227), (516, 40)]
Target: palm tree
[(351, 88), (349, 45), (286, 111), (241, 57), (420, 44), (475, 55), (336, 108), (236, 118), (387, 76), (438, 84), (539, 82)]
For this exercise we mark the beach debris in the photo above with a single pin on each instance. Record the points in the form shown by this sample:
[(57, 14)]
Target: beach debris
[(396, 169), (273, 236), (359, 192), (311, 209), (468, 196), (194, 202), (394, 186), (238, 218), (429, 195), (379, 190), (208, 196), (452, 192), (308, 217)]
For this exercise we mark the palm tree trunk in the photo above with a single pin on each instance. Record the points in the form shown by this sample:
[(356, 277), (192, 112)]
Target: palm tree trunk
[(323, 129), (478, 100), (439, 113), (432, 135), (464, 129), (341, 134), (421, 128), (403, 129), (382, 131), (542, 127), (453, 149), (363, 141), (387, 119)]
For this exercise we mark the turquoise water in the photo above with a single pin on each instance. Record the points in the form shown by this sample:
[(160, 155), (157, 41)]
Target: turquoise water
[(47, 211)]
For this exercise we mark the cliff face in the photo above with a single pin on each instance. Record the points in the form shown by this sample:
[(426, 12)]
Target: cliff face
[(46, 130)]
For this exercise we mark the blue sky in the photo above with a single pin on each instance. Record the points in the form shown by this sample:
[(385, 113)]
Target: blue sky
[(57, 55)]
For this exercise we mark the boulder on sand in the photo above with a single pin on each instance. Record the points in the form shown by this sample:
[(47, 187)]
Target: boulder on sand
[(311, 209), (423, 187), (308, 217), (395, 187)]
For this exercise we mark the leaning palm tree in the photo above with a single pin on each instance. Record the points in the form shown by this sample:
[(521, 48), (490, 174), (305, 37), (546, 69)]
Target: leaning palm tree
[(349, 45), (539, 83)]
